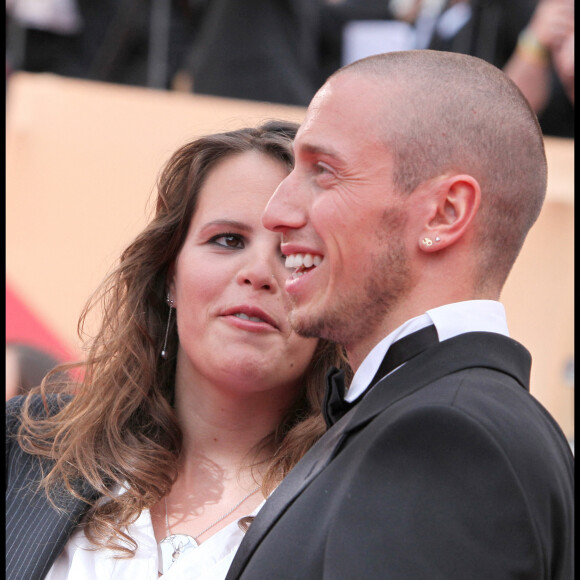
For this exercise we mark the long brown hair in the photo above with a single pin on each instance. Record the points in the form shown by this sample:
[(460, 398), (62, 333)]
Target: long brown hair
[(119, 427)]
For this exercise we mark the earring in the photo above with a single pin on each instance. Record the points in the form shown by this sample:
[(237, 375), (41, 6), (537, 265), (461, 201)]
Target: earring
[(427, 242), (170, 302), (437, 239)]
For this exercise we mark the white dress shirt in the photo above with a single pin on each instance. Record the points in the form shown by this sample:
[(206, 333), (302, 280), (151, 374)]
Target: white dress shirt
[(449, 320), (209, 561)]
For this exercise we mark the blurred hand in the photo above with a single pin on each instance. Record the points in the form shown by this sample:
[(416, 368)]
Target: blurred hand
[(553, 22), (563, 60)]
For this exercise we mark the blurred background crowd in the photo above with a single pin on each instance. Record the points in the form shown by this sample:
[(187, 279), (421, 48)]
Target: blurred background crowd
[(281, 51)]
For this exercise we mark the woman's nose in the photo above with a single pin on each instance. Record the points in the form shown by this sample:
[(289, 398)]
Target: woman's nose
[(259, 273)]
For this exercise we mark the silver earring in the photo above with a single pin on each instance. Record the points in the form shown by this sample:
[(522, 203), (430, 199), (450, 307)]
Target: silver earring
[(427, 242), (170, 302), (437, 239)]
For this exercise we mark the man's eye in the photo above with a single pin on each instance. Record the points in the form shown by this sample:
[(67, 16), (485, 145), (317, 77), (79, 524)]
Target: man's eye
[(228, 241), (324, 174), (322, 168)]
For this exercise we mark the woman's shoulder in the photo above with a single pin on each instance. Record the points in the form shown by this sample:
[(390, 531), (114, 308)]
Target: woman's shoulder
[(38, 407)]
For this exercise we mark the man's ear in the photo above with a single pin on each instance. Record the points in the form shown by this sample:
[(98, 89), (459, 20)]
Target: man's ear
[(455, 206)]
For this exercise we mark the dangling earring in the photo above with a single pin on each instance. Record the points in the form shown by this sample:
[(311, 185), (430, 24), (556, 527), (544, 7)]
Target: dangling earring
[(170, 302)]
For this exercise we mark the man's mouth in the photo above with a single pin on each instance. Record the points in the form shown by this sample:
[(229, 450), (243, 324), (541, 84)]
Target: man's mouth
[(302, 263)]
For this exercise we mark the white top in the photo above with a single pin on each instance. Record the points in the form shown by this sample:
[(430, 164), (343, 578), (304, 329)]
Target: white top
[(449, 320), (209, 561)]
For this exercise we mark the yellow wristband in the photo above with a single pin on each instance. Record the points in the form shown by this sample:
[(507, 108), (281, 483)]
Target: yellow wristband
[(531, 49)]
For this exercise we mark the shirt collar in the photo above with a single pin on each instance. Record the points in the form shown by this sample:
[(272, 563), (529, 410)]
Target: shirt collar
[(450, 320)]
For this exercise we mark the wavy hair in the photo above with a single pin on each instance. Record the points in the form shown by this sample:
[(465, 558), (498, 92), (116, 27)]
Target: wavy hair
[(119, 427)]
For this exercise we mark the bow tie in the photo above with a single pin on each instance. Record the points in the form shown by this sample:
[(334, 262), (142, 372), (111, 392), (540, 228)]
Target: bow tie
[(334, 405)]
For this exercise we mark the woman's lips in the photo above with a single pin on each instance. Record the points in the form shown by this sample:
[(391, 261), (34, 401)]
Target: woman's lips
[(250, 317)]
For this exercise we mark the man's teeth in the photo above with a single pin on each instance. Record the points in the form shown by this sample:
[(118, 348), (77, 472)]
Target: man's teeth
[(246, 317), (306, 260)]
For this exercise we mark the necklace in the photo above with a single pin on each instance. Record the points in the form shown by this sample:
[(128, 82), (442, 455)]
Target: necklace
[(173, 545)]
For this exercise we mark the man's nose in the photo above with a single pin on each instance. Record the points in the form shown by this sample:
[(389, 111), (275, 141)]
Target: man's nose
[(286, 208)]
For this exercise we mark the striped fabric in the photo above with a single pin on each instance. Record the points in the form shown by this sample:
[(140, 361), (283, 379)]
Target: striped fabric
[(35, 531)]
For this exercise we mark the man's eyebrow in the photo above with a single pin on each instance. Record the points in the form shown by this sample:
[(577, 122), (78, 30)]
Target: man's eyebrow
[(313, 149)]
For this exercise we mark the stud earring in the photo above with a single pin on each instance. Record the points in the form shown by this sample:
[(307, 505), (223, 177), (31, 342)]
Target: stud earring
[(427, 242), (170, 303), (437, 239)]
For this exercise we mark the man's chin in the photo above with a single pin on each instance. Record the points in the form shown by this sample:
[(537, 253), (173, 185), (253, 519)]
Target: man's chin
[(303, 326), (309, 326)]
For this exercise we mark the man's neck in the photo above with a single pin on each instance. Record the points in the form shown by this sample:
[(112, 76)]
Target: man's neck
[(449, 320)]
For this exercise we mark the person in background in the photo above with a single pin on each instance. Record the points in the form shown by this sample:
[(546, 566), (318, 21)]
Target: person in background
[(417, 177), (543, 49), (197, 396), (526, 39), (563, 60), (257, 50), (26, 366), (532, 40)]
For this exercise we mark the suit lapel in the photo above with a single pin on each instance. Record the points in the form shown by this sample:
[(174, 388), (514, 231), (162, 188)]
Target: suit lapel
[(42, 533), (283, 496), (475, 349), (36, 531)]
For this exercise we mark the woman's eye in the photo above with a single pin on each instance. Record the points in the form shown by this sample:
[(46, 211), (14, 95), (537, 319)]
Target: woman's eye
[(228, 241)]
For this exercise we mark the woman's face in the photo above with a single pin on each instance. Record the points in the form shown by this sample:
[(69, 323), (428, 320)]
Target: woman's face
[(228, 286)]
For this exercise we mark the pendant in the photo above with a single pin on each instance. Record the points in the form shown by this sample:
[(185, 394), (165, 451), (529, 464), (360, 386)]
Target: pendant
[(172, 547)]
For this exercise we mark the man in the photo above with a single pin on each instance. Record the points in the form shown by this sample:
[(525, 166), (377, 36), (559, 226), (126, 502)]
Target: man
[(418, 175)]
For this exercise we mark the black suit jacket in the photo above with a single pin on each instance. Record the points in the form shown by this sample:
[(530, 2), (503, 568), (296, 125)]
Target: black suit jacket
[(36, 532), (259, 50), (447, 469)]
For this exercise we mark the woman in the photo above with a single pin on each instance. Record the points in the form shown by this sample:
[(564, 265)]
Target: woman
[(197, 397)]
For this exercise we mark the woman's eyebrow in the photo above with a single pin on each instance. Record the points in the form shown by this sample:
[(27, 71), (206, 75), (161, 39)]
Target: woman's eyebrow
[(227, 223)]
